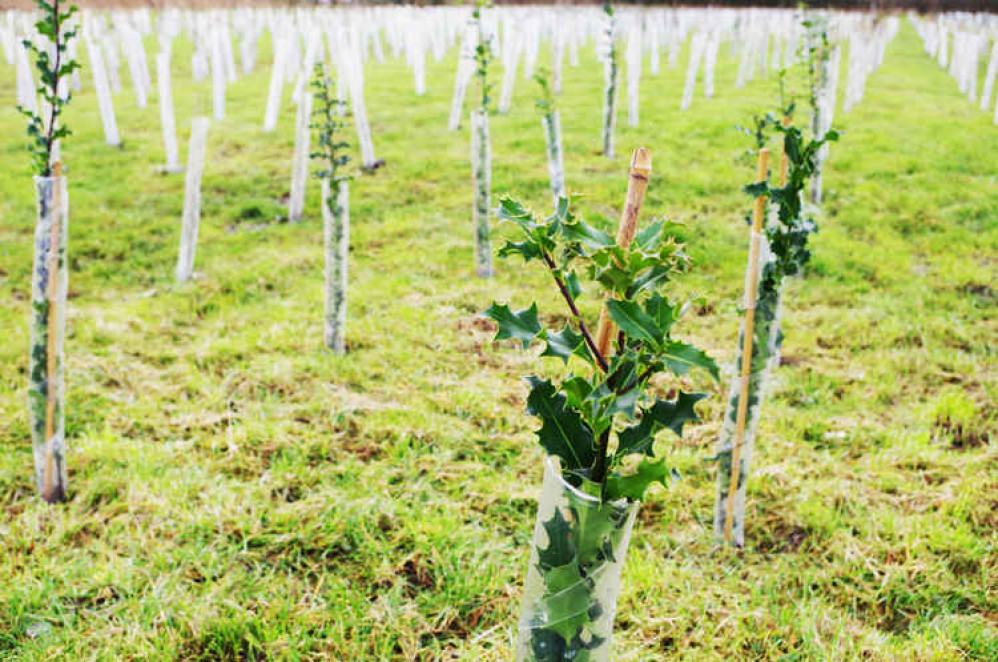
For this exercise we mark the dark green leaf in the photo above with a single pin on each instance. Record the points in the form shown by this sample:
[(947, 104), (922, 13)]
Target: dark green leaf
[(671, 414), (560, 550), (563, 432), (563, 344), (633, 486), (633, 321), (521, 325), (681, 358)]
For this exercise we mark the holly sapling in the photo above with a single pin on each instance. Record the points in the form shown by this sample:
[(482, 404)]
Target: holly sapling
[(54, 69), (602, 420), (328, 122), (46, 397), (822, 75), (481, 150), (610, 75), (551, 122), (483, 57), (786, 236)]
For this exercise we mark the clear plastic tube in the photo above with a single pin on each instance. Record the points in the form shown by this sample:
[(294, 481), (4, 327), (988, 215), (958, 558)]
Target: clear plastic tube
[(299, 162), (192, 198), (336, 231), (610, 75), (166, 117), (551, 122), (766, 340), (481, 167), (46, 390), (573, 577)]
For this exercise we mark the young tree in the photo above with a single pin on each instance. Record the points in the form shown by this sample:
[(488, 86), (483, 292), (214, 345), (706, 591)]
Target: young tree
[(329, 125), (46, 391), (481, 149)]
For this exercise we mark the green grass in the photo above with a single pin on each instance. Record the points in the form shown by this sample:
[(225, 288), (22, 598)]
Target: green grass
[(240, 494)]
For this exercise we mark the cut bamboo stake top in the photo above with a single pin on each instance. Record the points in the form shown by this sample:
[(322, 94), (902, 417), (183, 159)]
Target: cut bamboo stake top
[(637, 184), (48, 492), (746, 368)]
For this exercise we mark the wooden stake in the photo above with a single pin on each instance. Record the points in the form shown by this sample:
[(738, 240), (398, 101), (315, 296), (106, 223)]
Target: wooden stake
[(637, 184), (746, 368), (48, 491)]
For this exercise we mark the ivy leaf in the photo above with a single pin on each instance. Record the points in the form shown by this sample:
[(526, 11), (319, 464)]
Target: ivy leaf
[(563, 432), (681, 358), (633, 486), (521, 325), (634, 322), (671, 414), (562, 344), (756, 189)]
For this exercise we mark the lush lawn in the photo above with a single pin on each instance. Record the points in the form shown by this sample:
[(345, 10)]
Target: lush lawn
[(240, 494)]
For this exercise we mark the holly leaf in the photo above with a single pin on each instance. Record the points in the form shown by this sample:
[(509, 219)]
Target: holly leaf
[(577, 230), (634, 322), (577, 389), (560, 552), (662, 312), (625, 404), (634, 486), (681, 358), (521, 325), (563, 432), (516, 212), (671, 414), (527, 249), (573, 284), (756, 189), (562, 344), (648, 239)]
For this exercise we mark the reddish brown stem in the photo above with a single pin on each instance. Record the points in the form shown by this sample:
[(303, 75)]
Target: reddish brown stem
[(600, 359)]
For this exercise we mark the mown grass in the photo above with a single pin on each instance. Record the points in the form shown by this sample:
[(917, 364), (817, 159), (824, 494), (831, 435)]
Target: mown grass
[(240, 494)]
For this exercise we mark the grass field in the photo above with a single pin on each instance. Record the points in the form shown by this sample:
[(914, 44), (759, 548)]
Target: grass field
[(237, 493)]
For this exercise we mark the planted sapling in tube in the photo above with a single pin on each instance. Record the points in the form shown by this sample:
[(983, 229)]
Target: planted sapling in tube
[(599, 424), (46, 389), (328, 123), (551, 123)]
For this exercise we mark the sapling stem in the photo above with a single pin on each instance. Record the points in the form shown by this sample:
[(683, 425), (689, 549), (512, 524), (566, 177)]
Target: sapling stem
[(746, 367), (600, 356), (637, 184)]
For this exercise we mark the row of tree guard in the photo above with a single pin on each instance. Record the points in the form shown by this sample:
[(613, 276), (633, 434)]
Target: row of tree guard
[(764, 41), (958, 42)]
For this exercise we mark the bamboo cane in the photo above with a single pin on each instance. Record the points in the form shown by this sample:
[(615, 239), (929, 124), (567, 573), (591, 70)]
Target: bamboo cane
[(746, 368), (49, 493), (637, 184)]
